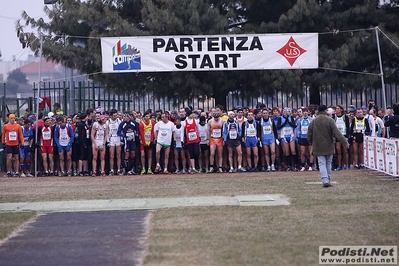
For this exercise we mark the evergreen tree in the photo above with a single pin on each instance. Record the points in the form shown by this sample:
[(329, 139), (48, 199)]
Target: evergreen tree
[(72, 38)]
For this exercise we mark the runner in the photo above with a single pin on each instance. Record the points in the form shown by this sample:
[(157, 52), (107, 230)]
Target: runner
[(192, 140), (13, 140), (269, 140), (114, 142), (164, 131), (25, 152), (64, 137), (251, 137), (216, 141), (128, 130), (98, 139), (146, 130), (232, 138)]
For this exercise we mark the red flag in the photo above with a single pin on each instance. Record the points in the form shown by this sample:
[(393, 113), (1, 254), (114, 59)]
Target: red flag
[(43, 101)]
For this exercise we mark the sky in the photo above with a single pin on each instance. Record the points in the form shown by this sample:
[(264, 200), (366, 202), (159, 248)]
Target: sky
[(10, 11)]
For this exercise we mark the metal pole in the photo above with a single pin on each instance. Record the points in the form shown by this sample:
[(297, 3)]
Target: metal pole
[(384, 98), (72, 108), (38, 97)]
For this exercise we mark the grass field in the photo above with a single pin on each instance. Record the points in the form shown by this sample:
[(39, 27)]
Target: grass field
[(361, 209)]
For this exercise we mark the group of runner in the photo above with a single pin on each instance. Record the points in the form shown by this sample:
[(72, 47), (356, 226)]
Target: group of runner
[(185, 141)]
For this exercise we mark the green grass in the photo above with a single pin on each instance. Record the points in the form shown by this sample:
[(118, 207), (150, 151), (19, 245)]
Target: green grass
[(362, 209), (10, 221)]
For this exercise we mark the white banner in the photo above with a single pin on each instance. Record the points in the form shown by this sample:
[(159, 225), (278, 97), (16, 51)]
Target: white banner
[(213, 52), (392, 157), (382, 155)]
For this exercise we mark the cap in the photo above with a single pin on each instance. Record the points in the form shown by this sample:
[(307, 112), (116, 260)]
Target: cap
[(351, 108), (230, 113), (102, 117), (330, 111), (50, 114), (322, 108), (364, 107), (174, 112), (11, 116)]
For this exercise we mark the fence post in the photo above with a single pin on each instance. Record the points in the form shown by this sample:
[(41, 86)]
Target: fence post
[(80, 95), (66, 97), (3, 104)]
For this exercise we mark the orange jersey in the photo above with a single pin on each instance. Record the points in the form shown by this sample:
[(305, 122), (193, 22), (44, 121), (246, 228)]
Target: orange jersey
[(12, 135)]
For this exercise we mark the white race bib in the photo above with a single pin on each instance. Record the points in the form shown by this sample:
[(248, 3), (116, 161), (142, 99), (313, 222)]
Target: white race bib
[(287, 131), (64, 138), (359, 126), (130, 135), (147, 136), (192, 135), (217, 133), (12, 135), (304, 130), (100, 134), (46, 135), (233, 134), (267, 130), (251, 132)]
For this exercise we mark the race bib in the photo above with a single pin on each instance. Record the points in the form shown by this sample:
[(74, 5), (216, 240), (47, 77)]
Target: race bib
[(360, 126), (147, 136), (87, 134), (130, 135), (233, 134), (100, 134), (113, 131), (192, 135), (12, 135), (64, 140), (26, 142), (304, 130), (251, 132), (217, 133), (287, 131), (46, 135), (267, 130)]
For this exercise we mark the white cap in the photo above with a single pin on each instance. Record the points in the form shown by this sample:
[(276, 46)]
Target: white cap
[(50, 114), (330, 111)]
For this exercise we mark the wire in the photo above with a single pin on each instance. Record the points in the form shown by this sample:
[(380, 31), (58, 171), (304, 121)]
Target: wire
[(350, 71), (343, 31), (63, 79), (386, 36)]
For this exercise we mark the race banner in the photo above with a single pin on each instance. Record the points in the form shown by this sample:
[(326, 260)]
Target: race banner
[(392, 157), (209, 53), (382, 154)]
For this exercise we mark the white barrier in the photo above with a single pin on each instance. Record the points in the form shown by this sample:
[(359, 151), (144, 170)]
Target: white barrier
[(382, 155)]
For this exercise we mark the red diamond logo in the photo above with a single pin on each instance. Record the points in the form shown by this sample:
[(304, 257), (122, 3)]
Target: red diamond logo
[(291, 51)]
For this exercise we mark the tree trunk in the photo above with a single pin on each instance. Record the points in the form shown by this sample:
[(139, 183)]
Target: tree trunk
[(220, 98), (314, 95)]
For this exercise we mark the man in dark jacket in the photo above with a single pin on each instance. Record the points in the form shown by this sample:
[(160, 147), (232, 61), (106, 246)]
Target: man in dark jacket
[(393, 123), (321, 133)]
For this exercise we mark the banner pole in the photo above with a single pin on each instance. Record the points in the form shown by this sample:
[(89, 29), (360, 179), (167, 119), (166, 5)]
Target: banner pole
[(384, 98), (37, 101)]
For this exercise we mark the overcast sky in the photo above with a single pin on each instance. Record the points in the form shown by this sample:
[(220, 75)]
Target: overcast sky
[(10, 11)]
